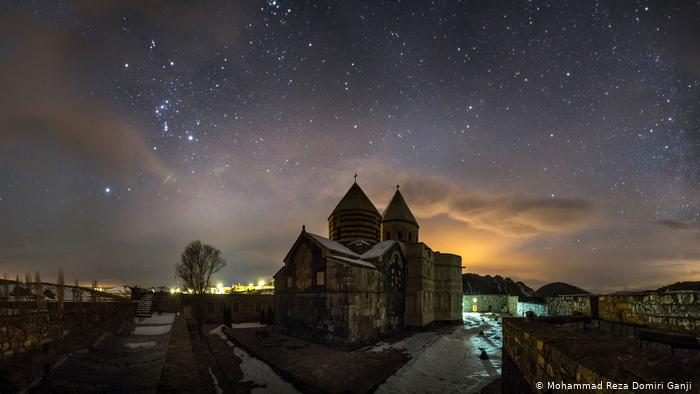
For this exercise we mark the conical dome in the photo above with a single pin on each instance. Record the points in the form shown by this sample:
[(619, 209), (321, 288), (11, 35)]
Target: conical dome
[(354, 218), (398, 222), (355, 198), (398, 210)]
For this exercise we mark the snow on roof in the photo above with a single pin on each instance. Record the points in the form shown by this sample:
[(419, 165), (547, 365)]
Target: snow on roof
[(333, 245), (378, 249), (355, 261)]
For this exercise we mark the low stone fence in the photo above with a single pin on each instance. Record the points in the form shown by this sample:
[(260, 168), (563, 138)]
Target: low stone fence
[(32, 342), (675, 311)]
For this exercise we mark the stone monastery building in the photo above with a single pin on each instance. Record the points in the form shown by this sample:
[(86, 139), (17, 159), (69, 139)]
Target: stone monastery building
[(370, 278)]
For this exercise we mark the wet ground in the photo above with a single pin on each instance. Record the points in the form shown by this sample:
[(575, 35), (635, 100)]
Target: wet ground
[(448, 361)]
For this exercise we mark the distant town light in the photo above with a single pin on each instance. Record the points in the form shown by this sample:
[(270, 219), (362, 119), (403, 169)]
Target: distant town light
[(261, 283)]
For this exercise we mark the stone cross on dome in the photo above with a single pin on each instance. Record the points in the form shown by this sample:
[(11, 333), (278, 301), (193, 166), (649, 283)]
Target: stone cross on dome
[(355, 177)]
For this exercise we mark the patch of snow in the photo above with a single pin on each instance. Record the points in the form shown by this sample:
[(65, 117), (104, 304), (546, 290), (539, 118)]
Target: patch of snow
[(333, 245), (217, 331), (450, 360), (412, 345), (355, 261), (136, 345), (151, 330), (165, 318), (378, 249), (216, 382), (248, 325), (260, 373)]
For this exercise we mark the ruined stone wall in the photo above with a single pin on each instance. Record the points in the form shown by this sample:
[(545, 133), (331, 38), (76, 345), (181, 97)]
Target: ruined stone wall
[(485, 303), (575, 350), (569, 305), (531, 356), (31, 342), (675, 311)]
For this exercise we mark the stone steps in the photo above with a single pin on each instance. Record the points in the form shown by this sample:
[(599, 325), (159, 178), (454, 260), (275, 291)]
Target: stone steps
[(145, 306)]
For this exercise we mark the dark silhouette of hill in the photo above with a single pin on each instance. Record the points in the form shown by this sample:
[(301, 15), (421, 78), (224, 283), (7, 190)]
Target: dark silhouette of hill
[(487, 284), (681, 286), (557, 289)]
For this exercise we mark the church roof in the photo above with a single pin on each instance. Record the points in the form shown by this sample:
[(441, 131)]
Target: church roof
[(398, 210), (355, 198), (378, 249), (359, 262), (333, 246), (342, 253)]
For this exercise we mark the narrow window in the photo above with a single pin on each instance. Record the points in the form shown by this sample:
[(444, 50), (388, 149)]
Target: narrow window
[(388, 235), (400, 235), (410, 237), (289, 281), (320, 278), (210, 307)]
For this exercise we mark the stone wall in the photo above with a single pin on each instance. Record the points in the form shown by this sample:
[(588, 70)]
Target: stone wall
[(570, 305), (674, 311), (485, 303), (243, 307), (448, 287), (167, 302), (525, 306), (32, 342)]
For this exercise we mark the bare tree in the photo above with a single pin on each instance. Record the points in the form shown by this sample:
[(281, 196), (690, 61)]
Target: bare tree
[(198, 263)]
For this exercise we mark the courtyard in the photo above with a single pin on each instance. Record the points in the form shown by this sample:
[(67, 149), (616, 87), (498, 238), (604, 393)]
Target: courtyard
[(440, 359)]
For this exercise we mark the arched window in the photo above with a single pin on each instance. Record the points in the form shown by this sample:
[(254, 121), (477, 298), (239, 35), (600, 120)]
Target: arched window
[(388, 235), (410, 237), (400, 235)]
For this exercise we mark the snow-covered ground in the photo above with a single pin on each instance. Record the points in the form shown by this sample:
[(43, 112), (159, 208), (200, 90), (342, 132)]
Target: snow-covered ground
[(154, 325), (247, 325), (448, 362), (152, 330), (155, 319), (136, 345), (255, 370)]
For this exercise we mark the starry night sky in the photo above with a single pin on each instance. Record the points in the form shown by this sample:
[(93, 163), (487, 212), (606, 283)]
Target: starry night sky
[(540, 140)]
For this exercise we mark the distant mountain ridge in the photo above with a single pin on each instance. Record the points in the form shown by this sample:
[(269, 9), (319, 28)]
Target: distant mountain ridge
[(681, 286), (558, 288), (487, 284)]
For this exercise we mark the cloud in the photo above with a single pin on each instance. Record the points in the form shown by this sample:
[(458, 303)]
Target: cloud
[(512, 215), (679, 225), (46, 107)]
